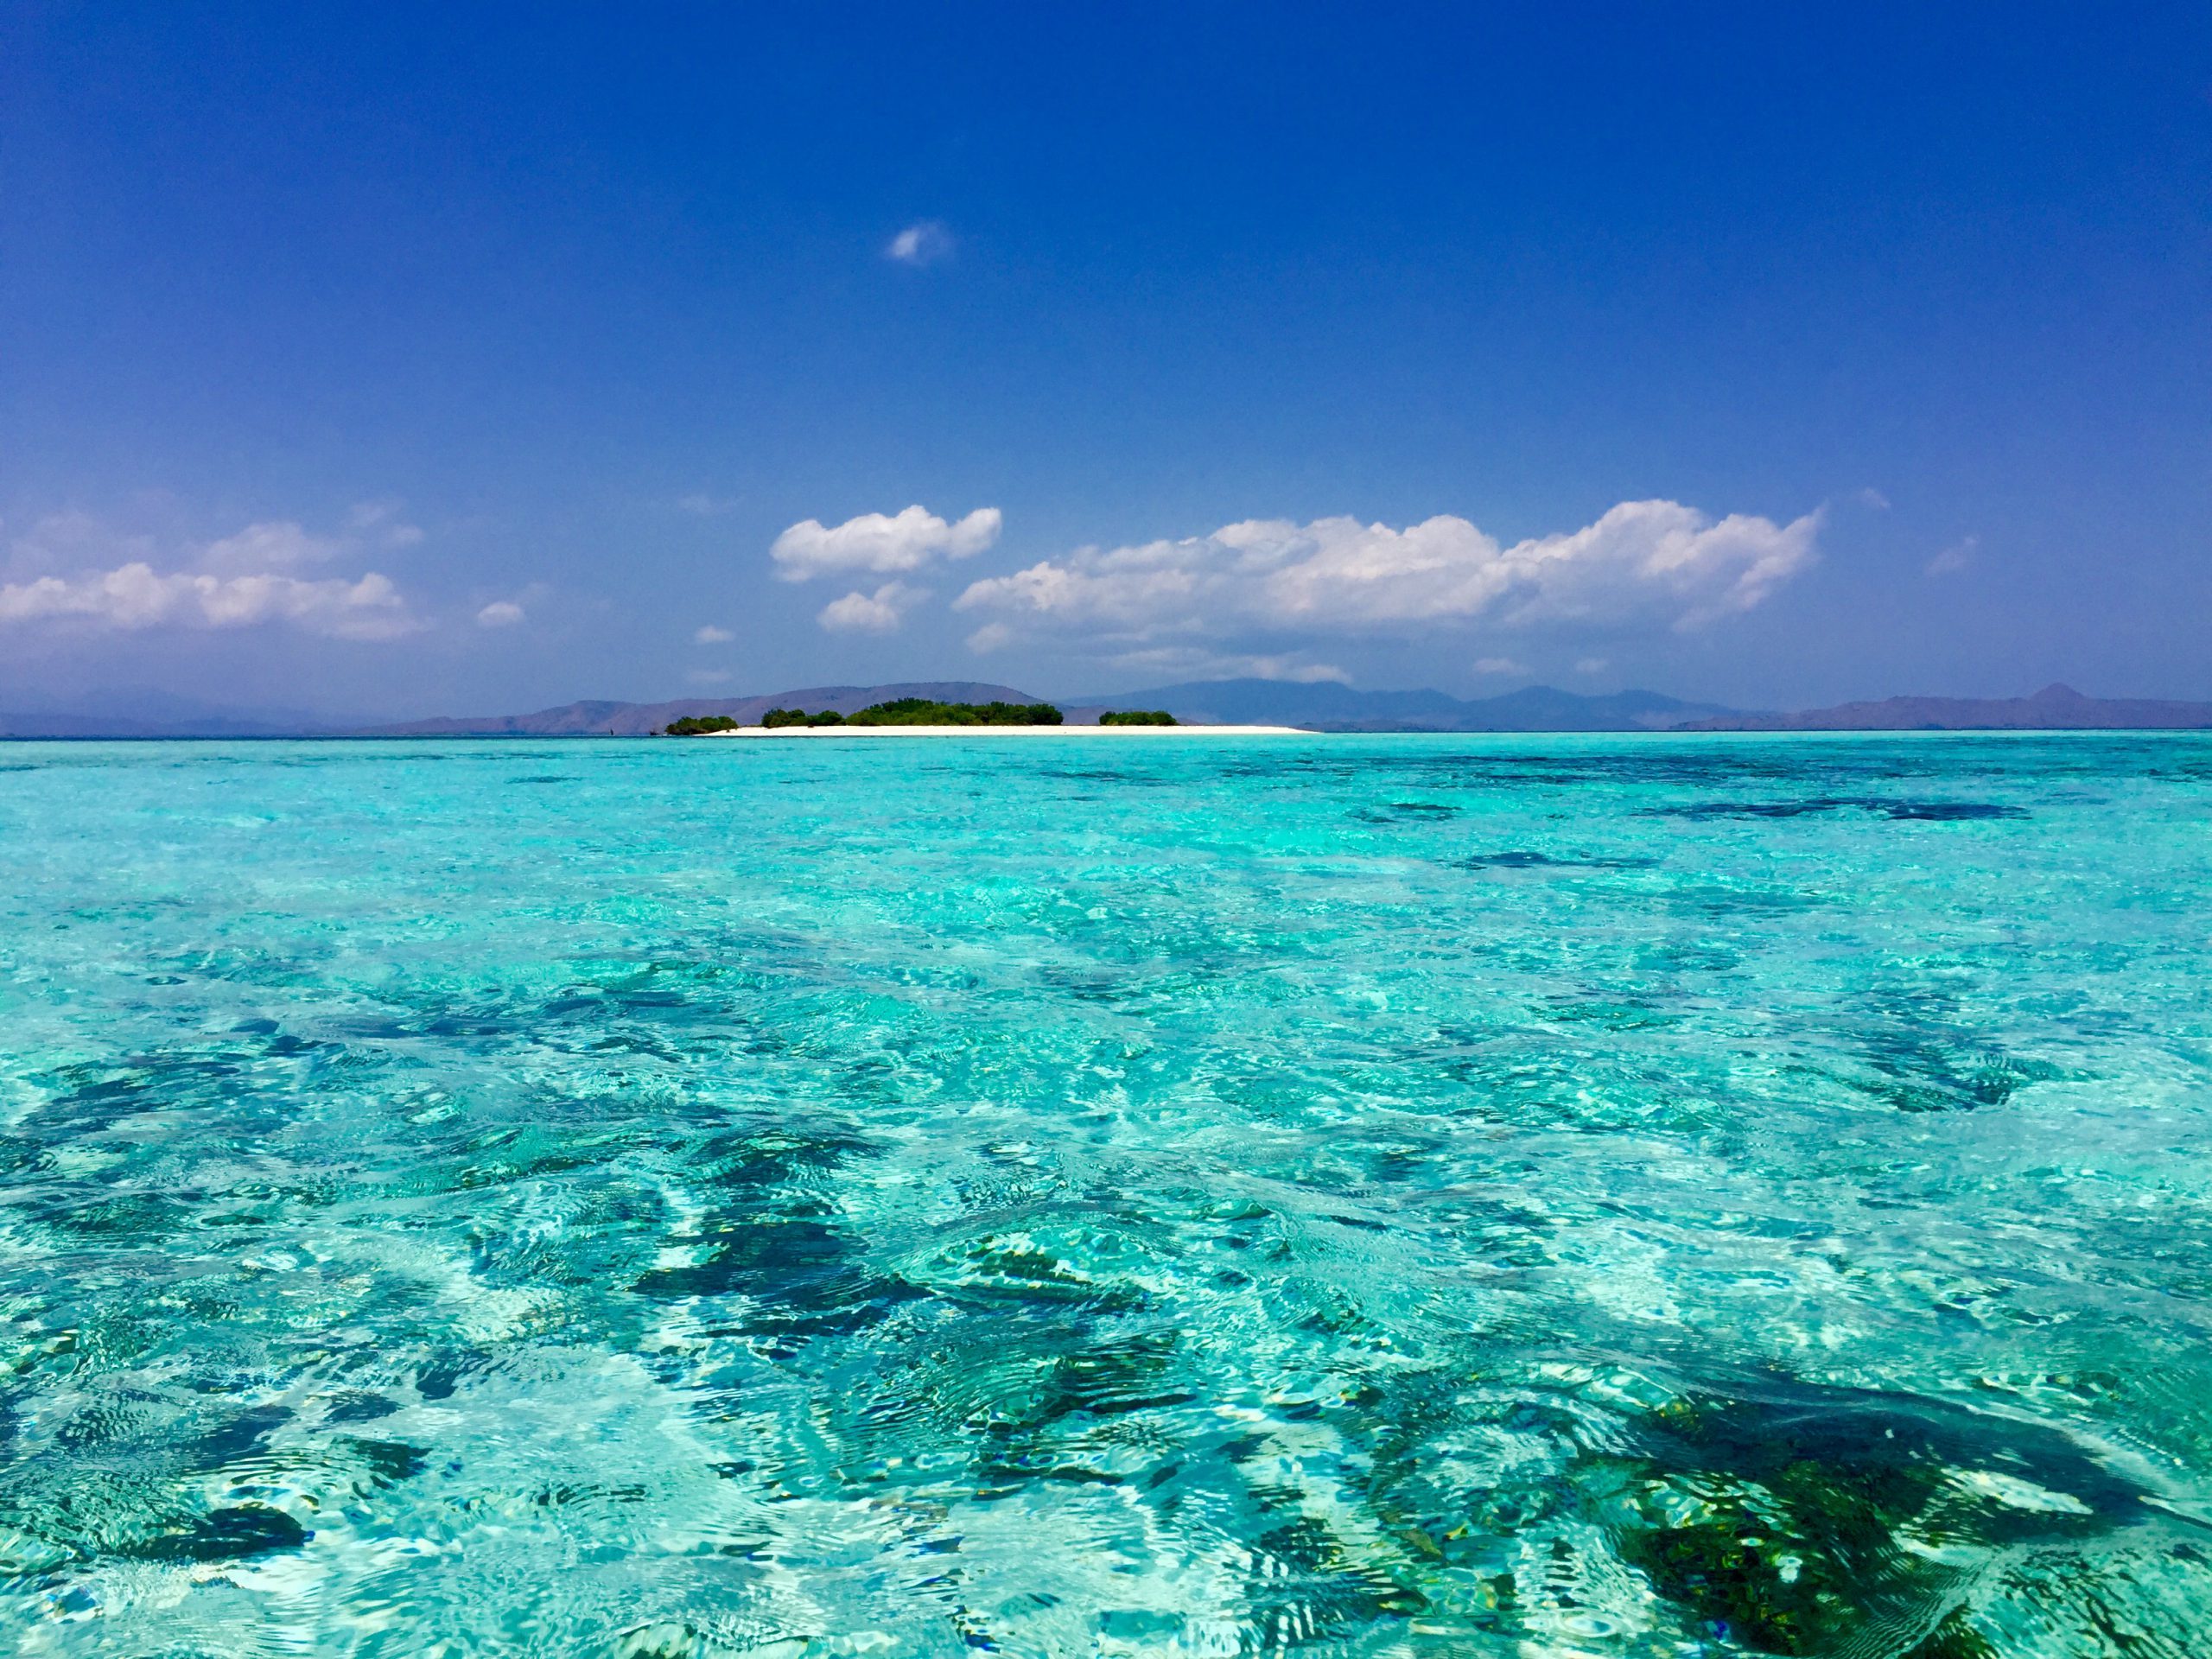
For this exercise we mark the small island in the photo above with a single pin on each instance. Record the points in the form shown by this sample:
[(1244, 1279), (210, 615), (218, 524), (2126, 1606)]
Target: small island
[(926, 717)]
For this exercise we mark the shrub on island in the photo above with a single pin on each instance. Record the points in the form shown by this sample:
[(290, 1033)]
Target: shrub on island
[(923, 711), (779, 717), (699, 725), (1137, 717)]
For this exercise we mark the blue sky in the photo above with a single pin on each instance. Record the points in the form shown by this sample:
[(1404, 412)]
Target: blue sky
[(404, 359)]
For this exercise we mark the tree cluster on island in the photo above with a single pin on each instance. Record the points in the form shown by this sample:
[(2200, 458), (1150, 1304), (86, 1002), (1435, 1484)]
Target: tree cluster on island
[(923, 711), (1137, 717), (899, 711)]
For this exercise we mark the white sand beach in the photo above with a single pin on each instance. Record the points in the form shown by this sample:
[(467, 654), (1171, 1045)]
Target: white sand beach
[(1013, 731)]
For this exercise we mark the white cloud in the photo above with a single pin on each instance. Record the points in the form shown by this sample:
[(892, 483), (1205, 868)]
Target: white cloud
[(1644, 564), (1499, 666), (1954, 558), (880, 612), (922, 243), (711, 635), (241, 581), (1591, 664), (883, 544), (500, 613), (134, 596)]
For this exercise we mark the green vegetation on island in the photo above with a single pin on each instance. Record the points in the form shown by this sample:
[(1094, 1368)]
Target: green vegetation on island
[(900, 711), (921, 711), (1137, 717)]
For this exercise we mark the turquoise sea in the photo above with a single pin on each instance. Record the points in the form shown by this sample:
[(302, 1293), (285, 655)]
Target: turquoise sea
[(1493, 1196)]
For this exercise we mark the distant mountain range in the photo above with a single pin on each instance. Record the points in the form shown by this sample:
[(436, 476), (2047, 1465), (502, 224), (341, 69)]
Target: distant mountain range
[(1328, 707), (2055, 707), (1323, 707), (145, 713)]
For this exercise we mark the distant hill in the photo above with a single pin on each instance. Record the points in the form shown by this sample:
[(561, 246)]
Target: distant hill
[(641, 719), (2055, 707), (1328, 707), (138, 711), (52, 723)]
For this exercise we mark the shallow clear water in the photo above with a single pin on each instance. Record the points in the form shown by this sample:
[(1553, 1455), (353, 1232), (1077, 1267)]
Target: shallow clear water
[(1490, 1196)]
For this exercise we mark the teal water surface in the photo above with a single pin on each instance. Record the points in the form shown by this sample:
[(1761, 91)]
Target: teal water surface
[(1518, 1197)]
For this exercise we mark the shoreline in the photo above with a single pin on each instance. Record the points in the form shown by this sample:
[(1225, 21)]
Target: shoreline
[(1015, 731)]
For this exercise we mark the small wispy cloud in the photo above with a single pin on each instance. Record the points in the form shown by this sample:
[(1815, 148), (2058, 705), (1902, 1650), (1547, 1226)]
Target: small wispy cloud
[(700, 504), (711, 635), (281, 545), (925, 242), (500, 613), (1592, 665), (1499, 666), (1196, 662), (380, 521), (707, 677), (1955, 558)]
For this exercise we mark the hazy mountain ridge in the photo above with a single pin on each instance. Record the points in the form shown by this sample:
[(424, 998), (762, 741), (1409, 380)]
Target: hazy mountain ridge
[(1327, 706), (137, 711), (2055, 707), (33, 723)]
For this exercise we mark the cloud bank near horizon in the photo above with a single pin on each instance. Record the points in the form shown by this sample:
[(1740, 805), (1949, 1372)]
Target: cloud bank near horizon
[(1643, 565), (240, 581), (1258, 595)]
